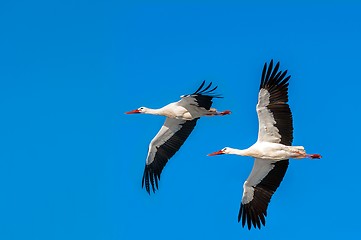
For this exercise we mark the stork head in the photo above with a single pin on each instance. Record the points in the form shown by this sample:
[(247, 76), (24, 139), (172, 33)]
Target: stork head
[(225, 150), (139, 110)]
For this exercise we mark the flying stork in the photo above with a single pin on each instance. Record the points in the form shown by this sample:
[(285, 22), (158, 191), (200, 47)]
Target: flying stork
[(272, 149), (181, 118)]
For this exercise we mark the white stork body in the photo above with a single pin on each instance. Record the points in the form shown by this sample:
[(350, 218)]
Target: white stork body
[(181, 110), (181, 119), (272, 149)]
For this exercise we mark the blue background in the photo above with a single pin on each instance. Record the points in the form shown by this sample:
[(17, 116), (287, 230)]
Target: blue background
[(71, 161)]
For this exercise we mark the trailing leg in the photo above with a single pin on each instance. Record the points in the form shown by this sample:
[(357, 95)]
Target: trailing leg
[(313, 156), (214, 112)]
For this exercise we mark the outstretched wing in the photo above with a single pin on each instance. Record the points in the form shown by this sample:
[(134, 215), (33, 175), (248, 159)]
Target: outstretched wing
[(274, 114), (200, 98), (275, 125), (164, 145), (258, 189)]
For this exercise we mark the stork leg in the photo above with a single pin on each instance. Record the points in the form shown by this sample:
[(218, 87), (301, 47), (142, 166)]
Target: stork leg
[(226, 112), (214, 112), (313, 156)]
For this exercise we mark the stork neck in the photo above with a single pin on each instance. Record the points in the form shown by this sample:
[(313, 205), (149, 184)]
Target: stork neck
[(152, 111), (240, 152)]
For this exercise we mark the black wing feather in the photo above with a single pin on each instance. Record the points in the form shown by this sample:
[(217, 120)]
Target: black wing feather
[(206, 88), (204, 96), (164, 152), (276, 83), (254, 212), (200, 87)]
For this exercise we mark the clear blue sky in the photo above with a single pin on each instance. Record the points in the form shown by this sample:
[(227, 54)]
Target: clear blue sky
[(71, 161)]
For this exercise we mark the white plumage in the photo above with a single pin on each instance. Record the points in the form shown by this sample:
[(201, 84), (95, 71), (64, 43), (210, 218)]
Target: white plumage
[(272, 149), (181, 119)]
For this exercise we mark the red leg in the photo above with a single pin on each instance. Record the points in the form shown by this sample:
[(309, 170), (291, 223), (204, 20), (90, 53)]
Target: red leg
[(314, 156), (225, 112)]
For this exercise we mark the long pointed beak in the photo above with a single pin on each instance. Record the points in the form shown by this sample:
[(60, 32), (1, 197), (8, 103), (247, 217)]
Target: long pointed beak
[(216, 153), (133, 111)]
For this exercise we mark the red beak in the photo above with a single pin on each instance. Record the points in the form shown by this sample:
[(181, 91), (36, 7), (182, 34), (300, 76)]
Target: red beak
[(216, 153), (133, 111)]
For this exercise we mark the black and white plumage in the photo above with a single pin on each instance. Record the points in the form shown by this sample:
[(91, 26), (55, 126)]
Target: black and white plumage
[(182, 117), (164, 145), (272, 149)]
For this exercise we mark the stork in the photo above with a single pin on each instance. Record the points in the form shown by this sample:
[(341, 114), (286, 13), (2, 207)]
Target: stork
[(272, 149), (181, 118)]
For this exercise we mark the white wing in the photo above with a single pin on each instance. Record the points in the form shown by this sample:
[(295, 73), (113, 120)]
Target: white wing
[(164, 145), (265, 177), (274, 114)]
